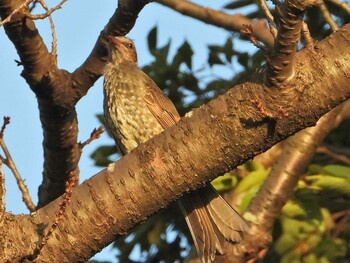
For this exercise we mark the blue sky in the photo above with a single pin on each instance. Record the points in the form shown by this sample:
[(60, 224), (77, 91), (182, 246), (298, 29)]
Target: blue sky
[(77, 27)]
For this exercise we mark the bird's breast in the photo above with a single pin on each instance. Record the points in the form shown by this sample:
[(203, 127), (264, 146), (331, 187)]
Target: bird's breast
[(126, 114)]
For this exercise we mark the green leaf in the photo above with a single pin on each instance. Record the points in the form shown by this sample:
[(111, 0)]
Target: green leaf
[(152, 40), (337, 170), (332, 183), (184, 54), (163, 51), (225, 182), (253, 179), (228, 49), (101, 155), (243, 59), (285, 243), (214, 59), (293, 209)]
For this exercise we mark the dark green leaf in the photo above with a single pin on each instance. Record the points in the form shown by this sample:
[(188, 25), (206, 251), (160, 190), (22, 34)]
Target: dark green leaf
[(214, 58), (238, 4), (243, 59), (152, 40), (183, 55), (228, 49), (101, 155)]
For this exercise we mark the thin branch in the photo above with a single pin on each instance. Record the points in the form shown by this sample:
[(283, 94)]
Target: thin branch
[(11, 165), (336, 156), (281, 61), (67, 196), (48, 11), (247, 31), (341, 4), (220, 19), (327, 16), (309, 42), (2, 193), (52, 25), (15, 11), (95, 134), (269, 17)]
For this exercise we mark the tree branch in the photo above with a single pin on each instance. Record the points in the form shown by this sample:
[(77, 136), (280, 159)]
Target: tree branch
[(217, 137), (220, 19), (276, 190), (281, 62), (58, 91)]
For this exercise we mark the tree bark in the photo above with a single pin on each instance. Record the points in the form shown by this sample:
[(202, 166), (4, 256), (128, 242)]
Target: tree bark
[(217, 137)]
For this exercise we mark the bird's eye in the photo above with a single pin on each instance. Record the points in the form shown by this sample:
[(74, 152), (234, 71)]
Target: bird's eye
[(130, 46)]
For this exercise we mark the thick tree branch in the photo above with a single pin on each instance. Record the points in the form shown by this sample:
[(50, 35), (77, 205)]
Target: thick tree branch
[(220, 19), (297, 153), (57, 90), (217, 137), (119, 24)]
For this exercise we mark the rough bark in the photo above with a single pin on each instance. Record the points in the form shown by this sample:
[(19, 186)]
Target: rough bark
[(217, 137)]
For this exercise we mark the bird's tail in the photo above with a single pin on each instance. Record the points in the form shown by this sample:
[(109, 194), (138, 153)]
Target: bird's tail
[(211, 221)]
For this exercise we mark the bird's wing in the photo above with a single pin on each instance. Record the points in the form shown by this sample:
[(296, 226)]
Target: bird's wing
[(160, 105)]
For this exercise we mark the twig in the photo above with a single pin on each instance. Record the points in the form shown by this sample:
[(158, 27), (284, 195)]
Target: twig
[(67, 196), (2, 193), (52, 25), (247, 30), (341, 4), (93, 136), (11, 165), (48, 11), (33, 6), (19, 8), (327, 16), (337, 156), (343, 223), (309, 43), (269, 17)]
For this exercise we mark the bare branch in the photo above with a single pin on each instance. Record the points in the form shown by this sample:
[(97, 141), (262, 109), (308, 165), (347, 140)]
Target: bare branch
[(2, 193), (220, 19), (269, 16), (327, 16), (15, 11), (52, 25), (93, 136), (333, 154), (247, 30), (48, 11), (341, 4), (11, 165), (70, 184), (309, 42)]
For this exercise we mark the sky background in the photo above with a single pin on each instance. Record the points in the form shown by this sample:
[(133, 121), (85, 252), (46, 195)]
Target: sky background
[(78, 25)]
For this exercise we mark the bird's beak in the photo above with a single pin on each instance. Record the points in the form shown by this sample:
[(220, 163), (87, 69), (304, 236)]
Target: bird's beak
[(114, 41)]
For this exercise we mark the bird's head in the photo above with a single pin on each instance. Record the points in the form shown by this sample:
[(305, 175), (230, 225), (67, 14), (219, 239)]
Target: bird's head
[(121, 49)]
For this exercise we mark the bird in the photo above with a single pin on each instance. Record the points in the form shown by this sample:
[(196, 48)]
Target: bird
[(135, 110)]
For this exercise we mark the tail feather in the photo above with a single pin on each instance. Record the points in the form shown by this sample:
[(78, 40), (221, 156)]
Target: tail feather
[(211, 221)]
